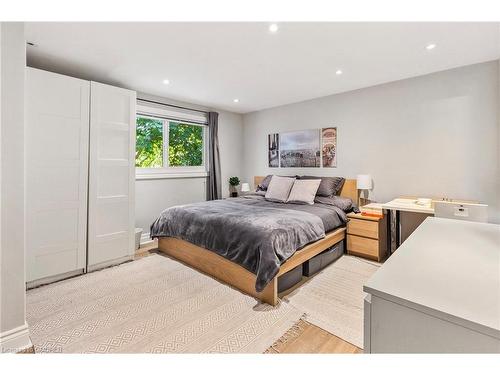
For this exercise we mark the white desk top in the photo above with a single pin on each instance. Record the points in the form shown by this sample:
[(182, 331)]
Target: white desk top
[(372, 206), (449, 269), (408, 205)]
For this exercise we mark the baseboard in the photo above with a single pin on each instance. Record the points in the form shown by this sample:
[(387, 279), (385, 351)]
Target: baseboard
[(15, 340), (53, 279), (109, 263), (145, 239)]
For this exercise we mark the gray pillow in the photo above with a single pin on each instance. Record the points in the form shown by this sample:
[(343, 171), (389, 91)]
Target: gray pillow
[(279, 189), (329, 186), (345, 204), (303, 191), (264, 184)]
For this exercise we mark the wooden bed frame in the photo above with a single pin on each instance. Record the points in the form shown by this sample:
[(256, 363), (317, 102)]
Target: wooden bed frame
[(235, 275)]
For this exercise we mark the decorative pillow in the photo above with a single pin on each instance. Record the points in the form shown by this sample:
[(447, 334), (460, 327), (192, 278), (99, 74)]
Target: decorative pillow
[(345, 204), (304, 191), (264, 184), (279, 189), (329, 186)]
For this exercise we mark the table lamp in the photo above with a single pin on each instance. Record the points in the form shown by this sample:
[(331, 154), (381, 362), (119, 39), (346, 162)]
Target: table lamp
[(245, 187), (363, 183)]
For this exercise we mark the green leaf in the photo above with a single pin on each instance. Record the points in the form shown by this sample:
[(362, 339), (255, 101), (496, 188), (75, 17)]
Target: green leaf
[(185, 145), (149, 143)]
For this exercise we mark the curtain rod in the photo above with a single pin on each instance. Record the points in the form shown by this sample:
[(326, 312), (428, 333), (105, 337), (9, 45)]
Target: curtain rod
[(172, 105)]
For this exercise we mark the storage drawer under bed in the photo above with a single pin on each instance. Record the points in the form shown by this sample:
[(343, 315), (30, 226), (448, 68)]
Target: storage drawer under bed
[(323, 259), (310, 267), (289, 279)]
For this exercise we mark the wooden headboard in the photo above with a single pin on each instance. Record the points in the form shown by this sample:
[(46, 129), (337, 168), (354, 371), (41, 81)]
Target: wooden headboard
[(349, 190)]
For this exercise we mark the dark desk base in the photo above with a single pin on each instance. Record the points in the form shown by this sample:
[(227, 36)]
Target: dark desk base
[(393, 230)]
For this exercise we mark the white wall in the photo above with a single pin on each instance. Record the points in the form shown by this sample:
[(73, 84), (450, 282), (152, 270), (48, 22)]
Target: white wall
[(153, 196), (435, 135), (13, 328), (230, 147), (497, 187)]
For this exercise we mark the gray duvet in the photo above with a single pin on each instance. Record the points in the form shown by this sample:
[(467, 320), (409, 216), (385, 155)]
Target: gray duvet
[(252, 232)]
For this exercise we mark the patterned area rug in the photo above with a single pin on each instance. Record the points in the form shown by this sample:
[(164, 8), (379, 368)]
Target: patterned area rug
[(152, 305), (333, 299)]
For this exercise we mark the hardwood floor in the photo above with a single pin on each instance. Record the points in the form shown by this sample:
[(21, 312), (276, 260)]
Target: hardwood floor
[(304, 337)]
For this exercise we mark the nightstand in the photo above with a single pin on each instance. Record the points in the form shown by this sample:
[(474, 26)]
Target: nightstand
[(367, 236)]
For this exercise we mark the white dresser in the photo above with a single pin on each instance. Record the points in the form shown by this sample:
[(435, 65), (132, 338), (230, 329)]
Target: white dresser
[(438, 293)]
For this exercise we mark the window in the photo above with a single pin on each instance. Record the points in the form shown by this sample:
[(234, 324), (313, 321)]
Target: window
[(185, 145), (149, 143), (166, 147)]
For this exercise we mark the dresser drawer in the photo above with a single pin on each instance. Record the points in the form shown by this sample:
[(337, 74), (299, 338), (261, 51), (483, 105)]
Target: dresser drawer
[(365, 228), (363, 246)]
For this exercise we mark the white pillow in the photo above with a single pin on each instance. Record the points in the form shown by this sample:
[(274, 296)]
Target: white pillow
[(279, 188), (304, 191)]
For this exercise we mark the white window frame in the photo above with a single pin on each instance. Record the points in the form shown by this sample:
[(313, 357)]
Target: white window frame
[(167, 116)]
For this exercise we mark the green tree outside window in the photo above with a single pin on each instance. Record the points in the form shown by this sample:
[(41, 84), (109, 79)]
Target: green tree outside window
[(185, 144), (149, 143)]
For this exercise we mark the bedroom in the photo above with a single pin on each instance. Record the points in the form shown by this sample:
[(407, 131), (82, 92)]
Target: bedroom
[(253, 187)]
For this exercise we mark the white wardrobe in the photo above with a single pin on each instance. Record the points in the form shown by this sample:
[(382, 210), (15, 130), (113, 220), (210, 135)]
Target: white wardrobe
[(80, 175)]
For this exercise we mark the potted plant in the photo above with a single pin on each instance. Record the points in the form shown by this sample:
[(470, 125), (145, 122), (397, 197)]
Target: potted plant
[(234, 182)]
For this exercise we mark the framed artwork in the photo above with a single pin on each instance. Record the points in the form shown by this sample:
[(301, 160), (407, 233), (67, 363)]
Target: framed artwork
[(273, 144), (300, 149), (329, 147)]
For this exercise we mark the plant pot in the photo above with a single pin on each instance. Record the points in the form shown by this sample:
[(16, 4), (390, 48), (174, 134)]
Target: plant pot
[(233, 191)]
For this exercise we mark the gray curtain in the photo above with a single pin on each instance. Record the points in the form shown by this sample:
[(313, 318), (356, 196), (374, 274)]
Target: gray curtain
[(214, 186)]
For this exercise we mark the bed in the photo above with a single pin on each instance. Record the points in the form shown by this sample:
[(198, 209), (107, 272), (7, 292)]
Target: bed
[(254, 275)]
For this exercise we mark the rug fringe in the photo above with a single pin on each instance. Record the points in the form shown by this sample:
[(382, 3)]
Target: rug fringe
[(292, 333)]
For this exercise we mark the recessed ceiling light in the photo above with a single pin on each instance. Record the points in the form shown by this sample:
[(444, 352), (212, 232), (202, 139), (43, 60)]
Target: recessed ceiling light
[(430, 46), (236, 100), (166, 82), (338, 72), (273, 27)]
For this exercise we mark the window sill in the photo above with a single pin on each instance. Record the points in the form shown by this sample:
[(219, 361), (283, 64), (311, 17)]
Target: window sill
[(162, 176)]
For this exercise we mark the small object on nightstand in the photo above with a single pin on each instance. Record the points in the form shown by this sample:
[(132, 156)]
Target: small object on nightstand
[(233, 182), (245, 187), (364, 183), (372, 209), (367, 234)]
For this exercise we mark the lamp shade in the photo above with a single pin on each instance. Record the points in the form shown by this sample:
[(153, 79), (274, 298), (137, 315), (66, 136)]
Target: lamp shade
[(245, 187), (364, 182)]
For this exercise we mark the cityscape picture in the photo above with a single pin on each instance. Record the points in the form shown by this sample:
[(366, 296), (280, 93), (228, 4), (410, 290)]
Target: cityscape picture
[(300, 149), (273, 141)]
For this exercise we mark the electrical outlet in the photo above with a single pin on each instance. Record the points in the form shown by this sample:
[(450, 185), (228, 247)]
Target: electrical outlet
[(461, 211)]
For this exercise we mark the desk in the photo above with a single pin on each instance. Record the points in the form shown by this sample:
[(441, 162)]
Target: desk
[(394, 208), (439, 293), (407, 205)]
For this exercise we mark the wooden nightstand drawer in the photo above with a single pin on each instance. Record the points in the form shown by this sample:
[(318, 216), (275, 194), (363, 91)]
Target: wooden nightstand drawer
[(363, 246), (365, 228)]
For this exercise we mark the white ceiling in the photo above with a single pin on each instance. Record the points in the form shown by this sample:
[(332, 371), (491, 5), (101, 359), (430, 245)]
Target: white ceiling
[(213, 63)]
